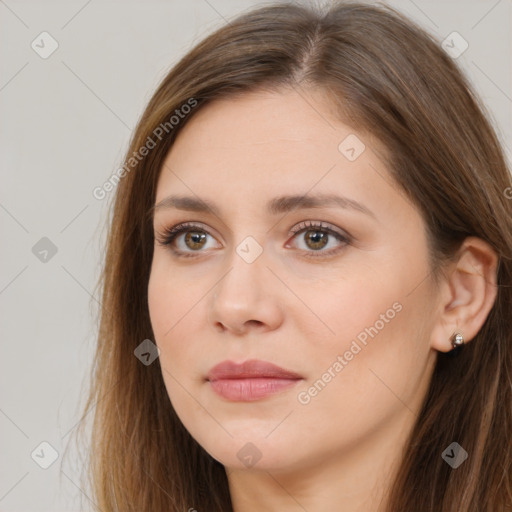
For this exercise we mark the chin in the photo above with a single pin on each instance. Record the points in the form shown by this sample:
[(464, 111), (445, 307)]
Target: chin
[(253, 452)]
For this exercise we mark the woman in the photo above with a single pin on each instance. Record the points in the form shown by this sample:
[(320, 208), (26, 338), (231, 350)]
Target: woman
[(311, 222)]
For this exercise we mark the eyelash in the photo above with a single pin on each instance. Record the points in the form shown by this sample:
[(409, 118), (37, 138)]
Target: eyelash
[(168, 236)]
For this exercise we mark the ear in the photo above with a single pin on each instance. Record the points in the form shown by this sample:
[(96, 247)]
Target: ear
[(466, 294)]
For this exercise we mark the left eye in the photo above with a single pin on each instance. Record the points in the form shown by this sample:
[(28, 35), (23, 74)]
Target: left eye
[(317, 237)]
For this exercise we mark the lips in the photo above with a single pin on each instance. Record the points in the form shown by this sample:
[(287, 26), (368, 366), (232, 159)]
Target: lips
[(251, 380), (254, 368)]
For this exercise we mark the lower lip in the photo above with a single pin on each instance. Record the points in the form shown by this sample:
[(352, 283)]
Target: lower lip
[(247, 390)]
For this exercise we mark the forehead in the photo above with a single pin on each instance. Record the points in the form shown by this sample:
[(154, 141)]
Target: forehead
[(257, 122), (267, 144)]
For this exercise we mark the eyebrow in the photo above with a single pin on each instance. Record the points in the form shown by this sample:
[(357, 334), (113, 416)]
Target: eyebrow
[(278, 205)]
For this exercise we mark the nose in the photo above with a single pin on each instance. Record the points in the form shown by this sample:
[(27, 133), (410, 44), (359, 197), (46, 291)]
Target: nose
[(247, 297)]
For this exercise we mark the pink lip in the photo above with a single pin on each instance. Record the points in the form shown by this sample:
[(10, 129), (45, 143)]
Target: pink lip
[(251, 380)]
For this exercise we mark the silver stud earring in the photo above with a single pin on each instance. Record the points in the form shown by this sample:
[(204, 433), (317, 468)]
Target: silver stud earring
[(457, 340)]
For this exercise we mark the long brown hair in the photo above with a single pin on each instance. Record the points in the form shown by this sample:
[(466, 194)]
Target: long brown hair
[(384, 75)]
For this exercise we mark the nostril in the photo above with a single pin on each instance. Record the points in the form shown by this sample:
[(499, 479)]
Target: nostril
[(257, 323)]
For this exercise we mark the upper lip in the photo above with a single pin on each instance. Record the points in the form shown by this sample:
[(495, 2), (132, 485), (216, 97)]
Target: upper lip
[(254, 368)]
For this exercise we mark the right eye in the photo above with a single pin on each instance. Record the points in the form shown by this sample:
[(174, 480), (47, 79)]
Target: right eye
[(195, 239)]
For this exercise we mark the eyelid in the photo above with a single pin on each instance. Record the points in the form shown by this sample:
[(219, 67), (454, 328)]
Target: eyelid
[(320, 225), (163, 235)]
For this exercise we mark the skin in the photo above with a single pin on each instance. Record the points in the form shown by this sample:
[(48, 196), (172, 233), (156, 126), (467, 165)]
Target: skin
[(340, 450)]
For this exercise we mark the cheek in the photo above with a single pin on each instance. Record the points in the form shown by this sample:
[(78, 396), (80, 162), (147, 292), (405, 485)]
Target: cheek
[(348, 310), (171, 308), (375, 364), (371, 322), (172, 305), (170, 296)]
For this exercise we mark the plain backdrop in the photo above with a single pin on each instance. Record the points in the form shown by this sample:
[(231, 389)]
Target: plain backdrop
[(65, 122)]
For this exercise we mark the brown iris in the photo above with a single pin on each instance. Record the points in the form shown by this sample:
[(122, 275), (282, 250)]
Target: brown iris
[(196, 237), (317, 238)]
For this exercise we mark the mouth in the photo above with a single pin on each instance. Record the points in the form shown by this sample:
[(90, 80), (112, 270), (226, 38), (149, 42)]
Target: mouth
[(251, 380)]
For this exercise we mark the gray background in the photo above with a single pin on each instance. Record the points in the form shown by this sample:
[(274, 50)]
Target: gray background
[(65, 125)]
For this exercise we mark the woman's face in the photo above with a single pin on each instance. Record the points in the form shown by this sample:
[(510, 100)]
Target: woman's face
[(338, 292)]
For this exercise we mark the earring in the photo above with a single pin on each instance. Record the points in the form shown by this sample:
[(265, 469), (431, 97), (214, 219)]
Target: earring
[(457, 340)]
